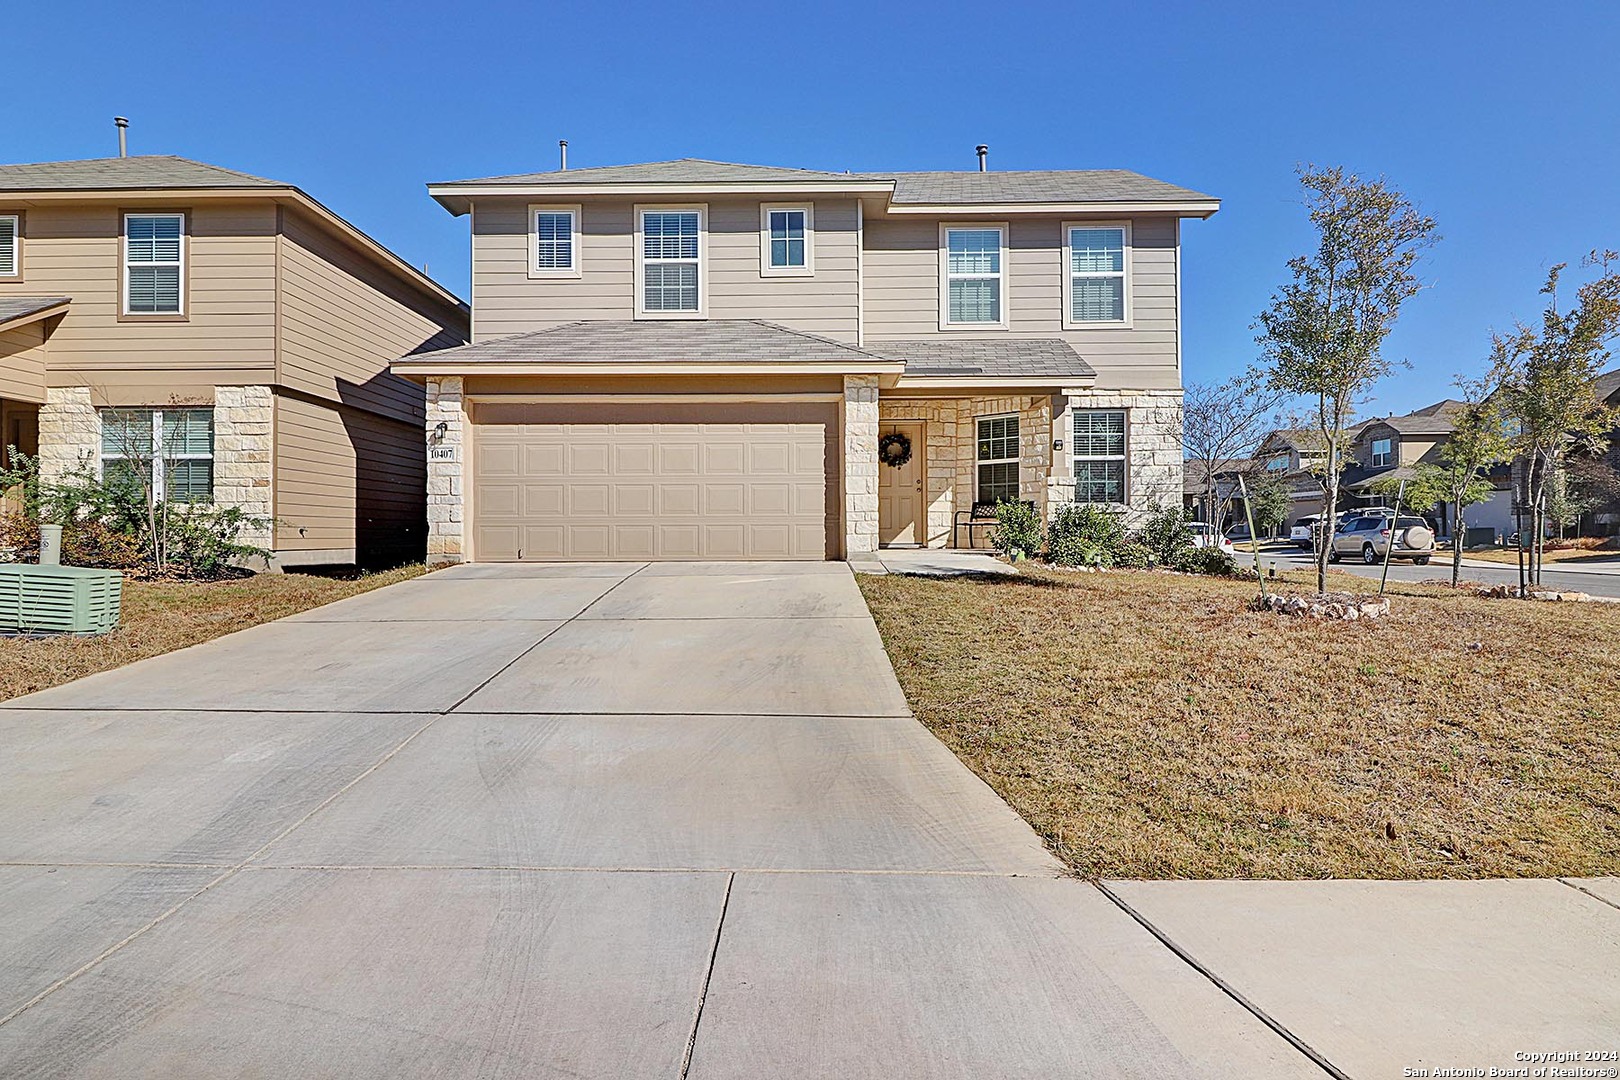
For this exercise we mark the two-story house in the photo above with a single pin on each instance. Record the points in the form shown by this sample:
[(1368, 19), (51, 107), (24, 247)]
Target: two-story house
[(227, 332), (693, 359)]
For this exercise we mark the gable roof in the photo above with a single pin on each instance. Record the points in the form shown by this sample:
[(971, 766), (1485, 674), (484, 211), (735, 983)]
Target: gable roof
[(679, 171), (116, 174), (1607, 385), (20, 308), (1437, 419)]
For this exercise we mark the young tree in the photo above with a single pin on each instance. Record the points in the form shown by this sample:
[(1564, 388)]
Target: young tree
[(1324, 331), (1222, 423), (1270, 500), (1547, 378)]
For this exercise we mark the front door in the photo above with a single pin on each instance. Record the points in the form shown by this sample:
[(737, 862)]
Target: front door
[(900, 485)]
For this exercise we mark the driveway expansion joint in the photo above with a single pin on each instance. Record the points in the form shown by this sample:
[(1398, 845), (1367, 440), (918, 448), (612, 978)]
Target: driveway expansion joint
[(708, 976), (1583, 889)]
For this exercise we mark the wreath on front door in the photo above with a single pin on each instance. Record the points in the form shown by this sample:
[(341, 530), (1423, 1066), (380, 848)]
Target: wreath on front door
[(894, 449)]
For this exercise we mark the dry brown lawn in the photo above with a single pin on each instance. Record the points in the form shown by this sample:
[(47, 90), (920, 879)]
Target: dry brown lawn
[(1153, 726), (161, 616)]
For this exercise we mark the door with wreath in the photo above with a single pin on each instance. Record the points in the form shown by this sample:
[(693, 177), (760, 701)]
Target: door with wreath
[(900, 484)]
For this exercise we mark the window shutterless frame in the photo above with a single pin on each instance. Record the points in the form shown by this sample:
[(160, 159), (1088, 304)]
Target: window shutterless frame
[(1383, 451), (10, 246), (1100, 456), (174, 446), (152, 261), (787, 240), (554, 241), (1097, 274), (996, 458), (978, 269), (676, 266)]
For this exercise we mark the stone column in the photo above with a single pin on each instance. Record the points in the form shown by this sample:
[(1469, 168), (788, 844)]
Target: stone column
[(244, 419), (69, 431), (860, 419), (445, 406)]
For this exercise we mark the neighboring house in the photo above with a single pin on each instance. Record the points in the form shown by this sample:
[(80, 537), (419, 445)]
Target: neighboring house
[(231, 326), (1299, 457), (693, 359)]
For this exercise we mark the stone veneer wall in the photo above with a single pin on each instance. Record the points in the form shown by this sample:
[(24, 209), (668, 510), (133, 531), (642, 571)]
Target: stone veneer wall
[(243, 437), (860, 421), (69, 431), (445, 509), (1152, 441)]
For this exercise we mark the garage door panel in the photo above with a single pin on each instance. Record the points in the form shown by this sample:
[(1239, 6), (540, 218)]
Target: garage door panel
[(655, 489)]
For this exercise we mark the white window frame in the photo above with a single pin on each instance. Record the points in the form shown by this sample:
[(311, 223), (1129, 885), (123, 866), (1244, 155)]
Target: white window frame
[(1388, 456), (160, 455), (945, 231), (765, 267), (124, 264), (574, 212), (702, 211), (1017, 460), (15, 270), (1069, 321), (1123, 457)]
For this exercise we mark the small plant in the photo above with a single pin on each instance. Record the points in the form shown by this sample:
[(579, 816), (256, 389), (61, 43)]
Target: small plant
[(1085, 535), (1211, 561), (1018, 532), (1134, 556), (1166, 534)]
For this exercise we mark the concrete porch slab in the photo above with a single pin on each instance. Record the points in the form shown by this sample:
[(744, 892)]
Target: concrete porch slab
[(59, 918), (442, 599), (338, 667), (941, 562), (167, 787), (742, 667), (875, 977), (1383, 976), (672, 793), (433, 974), (763, 595), (731, 569), (1606, 889)]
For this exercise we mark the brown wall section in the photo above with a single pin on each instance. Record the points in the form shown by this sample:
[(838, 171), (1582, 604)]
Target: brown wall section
[(22, 363)]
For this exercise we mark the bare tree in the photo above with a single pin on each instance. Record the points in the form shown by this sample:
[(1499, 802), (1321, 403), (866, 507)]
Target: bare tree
[(1324, 331), (1222, 423)]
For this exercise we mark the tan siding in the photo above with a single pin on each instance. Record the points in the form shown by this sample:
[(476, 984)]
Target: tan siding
[(22, 363), (507, 301), (348, 479), (343, 321), (901, 260)]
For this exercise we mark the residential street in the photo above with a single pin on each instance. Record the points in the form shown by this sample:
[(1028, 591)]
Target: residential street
[(1597, 580), (667, 820)]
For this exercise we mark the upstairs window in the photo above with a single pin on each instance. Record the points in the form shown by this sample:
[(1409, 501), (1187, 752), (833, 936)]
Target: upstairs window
[(786, 235), (10, 258), (169, 450), (554, 241), (153, 266), (1383, 453), (975, 285), (671, 262), (1099, 455), (1277, 464), (1094, 285), (998, 459)]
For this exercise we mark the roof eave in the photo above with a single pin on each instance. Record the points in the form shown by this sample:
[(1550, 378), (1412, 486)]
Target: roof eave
[(423, 367), (34, 316), (1196, 208), (1058, 383), (457, 197)]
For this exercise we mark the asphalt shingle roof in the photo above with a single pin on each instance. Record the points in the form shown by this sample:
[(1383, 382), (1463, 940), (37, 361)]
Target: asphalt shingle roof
[(682, 171), (699, 341), (147, 171), (985, 356), (16, 307)]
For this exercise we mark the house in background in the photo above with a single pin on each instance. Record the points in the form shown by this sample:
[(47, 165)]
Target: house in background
[(231, 334), (693, 359)]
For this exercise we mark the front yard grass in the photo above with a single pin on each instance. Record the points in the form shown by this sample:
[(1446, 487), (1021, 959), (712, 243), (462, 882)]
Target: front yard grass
[(161, 616), (1153, 726)]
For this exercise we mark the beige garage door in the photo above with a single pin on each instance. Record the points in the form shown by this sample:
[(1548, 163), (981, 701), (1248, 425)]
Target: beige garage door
[(627, 482)]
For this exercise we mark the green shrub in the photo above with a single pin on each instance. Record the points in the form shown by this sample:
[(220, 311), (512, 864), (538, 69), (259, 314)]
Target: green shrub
[(1211, 561), (1018, 531), (1085, 535), (204, 540), (1166, 535), (1134, 556)]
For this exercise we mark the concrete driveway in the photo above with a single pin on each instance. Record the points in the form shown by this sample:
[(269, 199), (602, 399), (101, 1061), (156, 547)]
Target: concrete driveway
[(614, 821)]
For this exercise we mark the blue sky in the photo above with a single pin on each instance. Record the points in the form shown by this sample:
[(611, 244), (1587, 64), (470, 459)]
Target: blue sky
[(1501, 120)]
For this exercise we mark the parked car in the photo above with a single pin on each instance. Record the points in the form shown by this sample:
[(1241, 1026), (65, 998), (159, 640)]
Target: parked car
[(1205, 535), (1370, 535), (1303, 533)]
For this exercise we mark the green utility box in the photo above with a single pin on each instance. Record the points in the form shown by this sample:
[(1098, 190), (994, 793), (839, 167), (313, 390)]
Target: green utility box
[(58, 599)]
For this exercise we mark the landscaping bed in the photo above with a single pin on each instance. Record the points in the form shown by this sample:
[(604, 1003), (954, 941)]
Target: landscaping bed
[(1154, 725), (161, 616)]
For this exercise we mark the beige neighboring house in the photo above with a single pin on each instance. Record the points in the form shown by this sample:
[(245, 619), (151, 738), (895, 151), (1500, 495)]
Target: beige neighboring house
[(699, 360), (238, 325)]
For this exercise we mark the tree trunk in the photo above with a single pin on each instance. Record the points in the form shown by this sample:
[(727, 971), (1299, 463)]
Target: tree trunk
[(1457, 532)]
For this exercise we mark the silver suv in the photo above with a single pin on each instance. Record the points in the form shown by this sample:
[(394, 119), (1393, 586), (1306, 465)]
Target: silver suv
[(1369, 536)]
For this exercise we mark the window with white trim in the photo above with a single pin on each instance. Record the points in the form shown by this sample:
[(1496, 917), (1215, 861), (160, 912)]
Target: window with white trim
[(153, 263), (170, 449), (998, 459), (1095, 285), (554, 240), (671, 268), (1099, 455), (1383, 452), (975, 285), (786, 233), (10, 241)]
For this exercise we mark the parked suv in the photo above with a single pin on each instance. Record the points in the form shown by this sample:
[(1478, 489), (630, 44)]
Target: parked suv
[(1371, 534), (1204, 535)]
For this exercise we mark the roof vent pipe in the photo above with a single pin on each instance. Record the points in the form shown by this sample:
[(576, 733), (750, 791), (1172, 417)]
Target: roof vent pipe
[(122, 124), (562, 151), (984, 153)]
